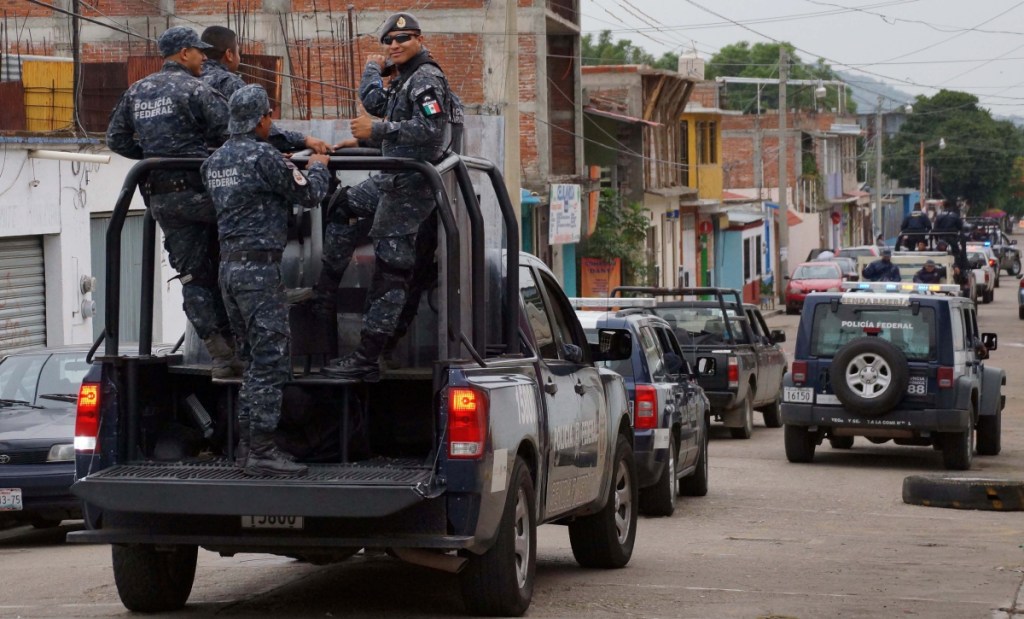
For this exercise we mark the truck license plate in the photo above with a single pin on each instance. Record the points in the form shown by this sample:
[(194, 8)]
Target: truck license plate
[(10, 500), (801, 395), (272, 522)]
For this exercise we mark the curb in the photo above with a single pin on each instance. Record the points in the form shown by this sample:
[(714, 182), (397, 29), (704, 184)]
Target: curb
[(964, 492)]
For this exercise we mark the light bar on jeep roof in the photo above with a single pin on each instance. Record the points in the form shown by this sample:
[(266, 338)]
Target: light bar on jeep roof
[(609, 302), (901, 287)]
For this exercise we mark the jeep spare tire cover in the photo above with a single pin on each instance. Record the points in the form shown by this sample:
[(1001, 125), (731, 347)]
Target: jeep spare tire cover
[(869, 376)]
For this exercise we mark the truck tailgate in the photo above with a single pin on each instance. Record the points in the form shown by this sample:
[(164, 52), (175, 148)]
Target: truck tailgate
[(368, 489)]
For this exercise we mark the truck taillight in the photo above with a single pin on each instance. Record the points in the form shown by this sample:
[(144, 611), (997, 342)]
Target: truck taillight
[(734, 372), (467, 423), (87, 419), (945, 377), (645, 408), (992, 262), (799, 372)]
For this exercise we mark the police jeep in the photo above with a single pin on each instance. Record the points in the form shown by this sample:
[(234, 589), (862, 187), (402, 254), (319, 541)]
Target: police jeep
[(893, 361)]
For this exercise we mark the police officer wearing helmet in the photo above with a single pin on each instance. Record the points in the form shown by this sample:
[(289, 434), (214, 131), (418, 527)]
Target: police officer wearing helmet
[(171, 113), (253, 188), (930, 273), (220, 72), (914, 227), (882, 270), (413, 121)]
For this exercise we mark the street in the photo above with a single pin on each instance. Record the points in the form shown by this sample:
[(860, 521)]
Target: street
[(771, 539)]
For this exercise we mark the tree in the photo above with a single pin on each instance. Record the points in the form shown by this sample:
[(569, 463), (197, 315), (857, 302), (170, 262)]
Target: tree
[(977, 163), (621, 232), (762, 60), (605, 51)]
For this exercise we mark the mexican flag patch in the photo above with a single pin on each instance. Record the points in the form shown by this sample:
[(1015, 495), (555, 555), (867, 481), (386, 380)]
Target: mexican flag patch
[(431, 107)]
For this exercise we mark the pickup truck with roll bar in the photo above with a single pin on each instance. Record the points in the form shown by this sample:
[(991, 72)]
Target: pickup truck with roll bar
[(490, 419), (738, 360)]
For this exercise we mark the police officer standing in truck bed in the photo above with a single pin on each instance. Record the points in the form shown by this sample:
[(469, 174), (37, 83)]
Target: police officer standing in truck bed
[(171, 113), (253, 187), (414, 110)]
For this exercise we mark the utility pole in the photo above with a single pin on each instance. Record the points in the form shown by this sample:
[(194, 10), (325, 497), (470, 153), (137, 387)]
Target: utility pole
[(922, 197), (76, 75), (875, 223), (783, 175)]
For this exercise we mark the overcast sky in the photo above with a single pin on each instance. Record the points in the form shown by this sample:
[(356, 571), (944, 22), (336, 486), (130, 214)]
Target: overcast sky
[(975, 46)]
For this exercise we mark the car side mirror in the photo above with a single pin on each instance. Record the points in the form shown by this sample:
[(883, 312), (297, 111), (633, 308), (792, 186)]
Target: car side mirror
[(706, 366), (612, 345), (572, 352), (785, 277), (778, 336), (990, 340), (673, 363), (1013, 241)]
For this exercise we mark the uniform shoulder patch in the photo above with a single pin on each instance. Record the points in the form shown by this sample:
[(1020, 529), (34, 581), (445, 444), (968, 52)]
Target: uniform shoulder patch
[(428, 102), (300, 179)]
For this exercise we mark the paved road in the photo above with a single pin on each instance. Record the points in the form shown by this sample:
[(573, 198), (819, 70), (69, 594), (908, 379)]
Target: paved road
[(771, 539)]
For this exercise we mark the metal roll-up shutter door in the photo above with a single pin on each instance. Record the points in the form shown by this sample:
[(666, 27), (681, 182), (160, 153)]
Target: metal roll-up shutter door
[(22, 294)]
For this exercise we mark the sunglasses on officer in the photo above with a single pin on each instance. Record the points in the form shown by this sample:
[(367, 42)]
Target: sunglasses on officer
[(387, 39)]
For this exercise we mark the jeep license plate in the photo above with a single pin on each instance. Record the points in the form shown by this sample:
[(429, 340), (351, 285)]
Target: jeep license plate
[(272, 522), (798, 395), (10, 500)]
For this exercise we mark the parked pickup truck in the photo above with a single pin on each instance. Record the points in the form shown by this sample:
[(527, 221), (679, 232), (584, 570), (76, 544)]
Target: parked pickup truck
[(739, 361), (490, 419)]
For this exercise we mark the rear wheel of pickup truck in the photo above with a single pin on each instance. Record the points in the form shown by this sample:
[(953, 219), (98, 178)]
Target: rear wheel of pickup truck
[(151, 580), (773, 412), (660, 499), (500, 581), (606, 538), (800, 444), (747, 411)]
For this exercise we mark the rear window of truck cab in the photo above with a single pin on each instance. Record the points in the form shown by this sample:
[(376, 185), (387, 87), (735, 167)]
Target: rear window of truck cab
[(910, 331)]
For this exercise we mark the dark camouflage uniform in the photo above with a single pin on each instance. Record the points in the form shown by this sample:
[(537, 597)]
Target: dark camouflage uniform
[(253, 186), (218, 77), (414, 109), (173, 114), (881, 271)]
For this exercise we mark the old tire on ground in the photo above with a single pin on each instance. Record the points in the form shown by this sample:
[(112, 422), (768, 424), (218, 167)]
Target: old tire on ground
[(869, 376), (660, 499), (988, 441), (841, 442), (697, 483), (606, 539), (152, 581), (958, 449), (964, 492), (500, 581), (747, 429), (800, 444), (773, 412)]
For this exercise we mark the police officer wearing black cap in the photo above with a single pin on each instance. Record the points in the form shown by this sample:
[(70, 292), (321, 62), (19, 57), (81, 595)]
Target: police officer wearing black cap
[(914, 228), (171, 113), (883, 269), (412, 121), (930, 273)]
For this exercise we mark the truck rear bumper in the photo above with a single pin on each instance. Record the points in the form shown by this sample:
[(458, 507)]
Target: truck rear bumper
[(721, 400), (362, 490), (286, 542), (923, 420)]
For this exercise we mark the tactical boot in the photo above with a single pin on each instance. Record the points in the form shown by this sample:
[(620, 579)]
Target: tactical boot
[(353, 366), (242, 448), (225, 363), (267, 460)]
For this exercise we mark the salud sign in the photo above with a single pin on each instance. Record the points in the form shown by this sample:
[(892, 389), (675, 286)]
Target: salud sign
[(566, 215)]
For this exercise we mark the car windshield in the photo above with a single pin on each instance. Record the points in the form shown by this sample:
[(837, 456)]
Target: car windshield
[(817, 271), (49, 380), (624, 367), (702, 325), (913, 334)]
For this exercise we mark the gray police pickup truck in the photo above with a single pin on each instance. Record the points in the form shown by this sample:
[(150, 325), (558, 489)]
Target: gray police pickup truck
[(490, 419), (739, 362), (893, 361)]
